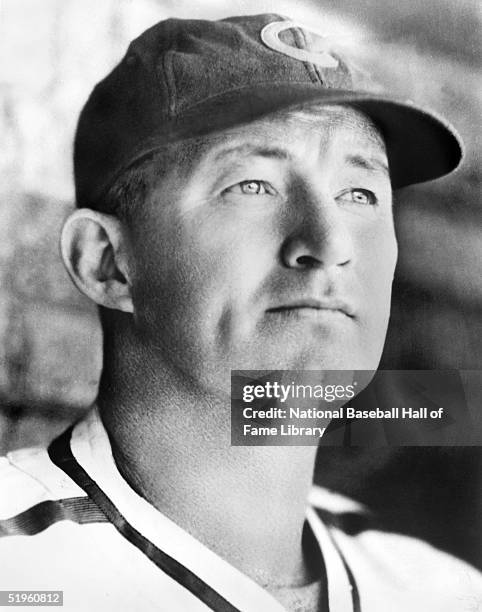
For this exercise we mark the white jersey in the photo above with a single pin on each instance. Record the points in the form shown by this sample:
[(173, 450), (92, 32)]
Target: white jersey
[(70, 522)]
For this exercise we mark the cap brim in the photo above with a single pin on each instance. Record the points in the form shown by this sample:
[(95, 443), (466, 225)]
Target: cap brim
[(420, 145)]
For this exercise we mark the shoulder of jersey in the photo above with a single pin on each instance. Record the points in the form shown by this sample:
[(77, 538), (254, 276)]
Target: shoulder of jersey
[(28, 477), (397, 562)]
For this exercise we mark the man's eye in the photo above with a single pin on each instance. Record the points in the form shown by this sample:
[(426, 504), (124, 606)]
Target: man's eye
[(359, 196), (252, 188)]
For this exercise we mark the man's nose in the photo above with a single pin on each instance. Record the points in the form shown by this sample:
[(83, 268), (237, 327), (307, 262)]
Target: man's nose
[(318, 235)]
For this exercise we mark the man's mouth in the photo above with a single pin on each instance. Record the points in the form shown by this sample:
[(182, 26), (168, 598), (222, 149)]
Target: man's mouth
[(315, 307)]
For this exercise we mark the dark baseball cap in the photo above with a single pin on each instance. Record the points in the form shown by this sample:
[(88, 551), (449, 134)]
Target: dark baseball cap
[(188, 78)]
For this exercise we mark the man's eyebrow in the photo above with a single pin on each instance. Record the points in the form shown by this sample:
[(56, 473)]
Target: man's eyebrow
[(256, 150), (373, 164)]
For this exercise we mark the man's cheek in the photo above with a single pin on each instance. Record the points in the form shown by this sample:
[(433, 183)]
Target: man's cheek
[(238, 261), (380, 250)]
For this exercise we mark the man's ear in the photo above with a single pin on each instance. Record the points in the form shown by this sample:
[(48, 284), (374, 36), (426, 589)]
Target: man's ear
[(94, 250)]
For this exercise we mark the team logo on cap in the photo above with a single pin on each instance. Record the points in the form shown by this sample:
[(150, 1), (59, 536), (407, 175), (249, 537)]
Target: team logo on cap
[(270, 36)]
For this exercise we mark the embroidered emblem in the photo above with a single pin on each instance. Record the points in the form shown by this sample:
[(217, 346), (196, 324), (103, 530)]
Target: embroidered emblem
[(270, 36)]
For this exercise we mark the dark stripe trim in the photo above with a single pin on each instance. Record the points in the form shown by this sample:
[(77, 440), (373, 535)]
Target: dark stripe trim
[(81, 510), (61, 454), (355, 595), (317, 560)]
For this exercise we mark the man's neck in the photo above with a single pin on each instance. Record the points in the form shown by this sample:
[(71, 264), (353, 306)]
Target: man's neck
[(172, 446)]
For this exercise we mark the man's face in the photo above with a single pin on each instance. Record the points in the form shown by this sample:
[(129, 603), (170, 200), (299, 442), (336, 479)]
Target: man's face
[(272, 248)]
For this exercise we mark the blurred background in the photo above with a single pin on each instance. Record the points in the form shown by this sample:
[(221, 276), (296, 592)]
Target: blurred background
[(53, 52)]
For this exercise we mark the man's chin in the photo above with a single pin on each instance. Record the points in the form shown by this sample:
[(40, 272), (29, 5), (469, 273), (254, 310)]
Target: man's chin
[(215, 375), (313, 356)]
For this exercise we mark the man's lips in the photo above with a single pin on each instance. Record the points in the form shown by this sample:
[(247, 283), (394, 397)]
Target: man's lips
[(328, 304)]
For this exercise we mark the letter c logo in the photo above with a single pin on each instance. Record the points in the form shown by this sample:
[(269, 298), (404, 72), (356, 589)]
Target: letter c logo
[(270, 36)]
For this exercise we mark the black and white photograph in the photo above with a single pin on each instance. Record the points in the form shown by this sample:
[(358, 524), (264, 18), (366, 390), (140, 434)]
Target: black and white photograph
[(240, 305)]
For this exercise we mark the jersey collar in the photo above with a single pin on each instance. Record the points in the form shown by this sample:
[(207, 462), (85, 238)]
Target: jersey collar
[(85, 454)]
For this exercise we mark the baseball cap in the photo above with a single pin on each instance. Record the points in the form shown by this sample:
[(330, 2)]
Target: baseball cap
[(188, 78)]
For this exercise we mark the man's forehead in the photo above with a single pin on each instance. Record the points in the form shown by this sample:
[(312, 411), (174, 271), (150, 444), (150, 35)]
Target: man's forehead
[(276, 133)]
